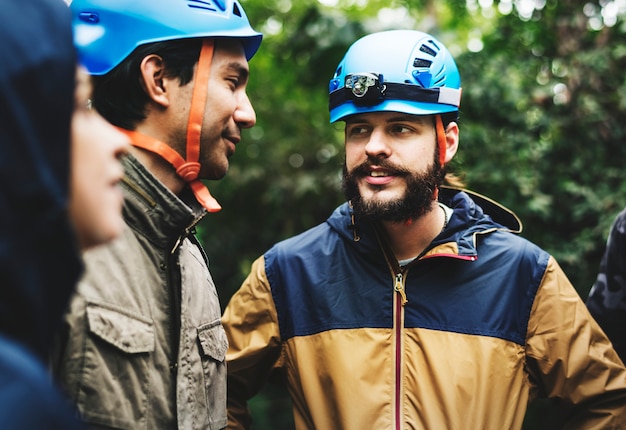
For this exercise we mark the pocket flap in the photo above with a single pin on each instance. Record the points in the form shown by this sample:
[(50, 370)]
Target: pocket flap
[(213, 340), (129, 333)]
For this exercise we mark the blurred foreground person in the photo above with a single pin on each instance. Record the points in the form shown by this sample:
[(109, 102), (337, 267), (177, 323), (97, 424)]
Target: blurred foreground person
[(414, 305), (39, 244), (142, 345), (95, 196), (607, 298)]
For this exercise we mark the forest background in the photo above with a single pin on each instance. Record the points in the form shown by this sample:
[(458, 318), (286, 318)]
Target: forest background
[(543, 123)]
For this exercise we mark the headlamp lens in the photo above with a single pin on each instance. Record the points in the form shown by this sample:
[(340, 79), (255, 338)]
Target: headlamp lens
[(366, 88)]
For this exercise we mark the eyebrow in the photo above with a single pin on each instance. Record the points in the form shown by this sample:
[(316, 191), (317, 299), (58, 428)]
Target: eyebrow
[(420, 119), (234, 66)]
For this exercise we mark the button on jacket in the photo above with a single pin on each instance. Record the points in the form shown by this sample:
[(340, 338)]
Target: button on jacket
[(461, 338), (143, 346)]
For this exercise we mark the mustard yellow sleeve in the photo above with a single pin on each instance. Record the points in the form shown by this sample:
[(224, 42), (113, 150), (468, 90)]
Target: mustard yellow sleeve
[(570, 358), (251, 324)]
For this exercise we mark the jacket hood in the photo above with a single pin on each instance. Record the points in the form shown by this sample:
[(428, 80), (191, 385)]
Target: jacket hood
[(39, 260), (473, 214)]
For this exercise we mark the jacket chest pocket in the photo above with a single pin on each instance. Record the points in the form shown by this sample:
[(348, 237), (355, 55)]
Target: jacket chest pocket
[(213, 346), (115, 377), (213, 341), (128, 333)]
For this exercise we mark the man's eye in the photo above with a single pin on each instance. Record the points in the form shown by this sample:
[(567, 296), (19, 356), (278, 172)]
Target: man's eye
[(358, 130), (401, 129)]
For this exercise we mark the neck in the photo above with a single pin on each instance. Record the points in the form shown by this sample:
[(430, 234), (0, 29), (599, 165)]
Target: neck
[(161, 169), (409, 239)]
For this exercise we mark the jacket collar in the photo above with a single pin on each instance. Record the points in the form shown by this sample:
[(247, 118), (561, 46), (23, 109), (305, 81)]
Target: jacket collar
[(153, 210)]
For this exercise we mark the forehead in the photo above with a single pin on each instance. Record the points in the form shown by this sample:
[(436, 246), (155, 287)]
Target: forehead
[(229, 47), (388, 117), (229, 57)]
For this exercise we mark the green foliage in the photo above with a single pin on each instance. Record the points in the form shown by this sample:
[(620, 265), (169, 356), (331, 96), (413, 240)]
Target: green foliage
[(542, 129)]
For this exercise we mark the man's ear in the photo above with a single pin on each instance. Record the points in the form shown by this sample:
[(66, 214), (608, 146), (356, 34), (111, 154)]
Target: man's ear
[(452, 141), (154, 82)]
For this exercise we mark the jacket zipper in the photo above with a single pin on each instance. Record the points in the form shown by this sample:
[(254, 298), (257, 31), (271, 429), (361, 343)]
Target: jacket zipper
[(400, 301), (399, 287)]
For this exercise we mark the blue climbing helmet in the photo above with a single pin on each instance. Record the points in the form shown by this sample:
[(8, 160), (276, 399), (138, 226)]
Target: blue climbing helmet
[(399, 71), (107, 31)]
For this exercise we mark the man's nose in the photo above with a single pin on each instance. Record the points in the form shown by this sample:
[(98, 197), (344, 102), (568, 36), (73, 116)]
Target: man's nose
[(378, 144), (244, 115)]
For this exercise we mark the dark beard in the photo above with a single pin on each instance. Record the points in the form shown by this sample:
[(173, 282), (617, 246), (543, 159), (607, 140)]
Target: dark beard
[(416, 202)]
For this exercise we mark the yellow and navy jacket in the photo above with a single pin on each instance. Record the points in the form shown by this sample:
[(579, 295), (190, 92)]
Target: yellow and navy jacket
[(464, 337)]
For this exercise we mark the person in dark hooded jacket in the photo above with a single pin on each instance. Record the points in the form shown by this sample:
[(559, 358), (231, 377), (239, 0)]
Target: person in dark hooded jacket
[(39, 258), (607, 297)]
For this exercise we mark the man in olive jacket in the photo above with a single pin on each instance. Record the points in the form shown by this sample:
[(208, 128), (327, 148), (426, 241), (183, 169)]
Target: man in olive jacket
[(142, 345)]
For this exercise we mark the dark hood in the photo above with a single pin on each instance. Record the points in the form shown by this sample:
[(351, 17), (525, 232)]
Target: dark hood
[(39, 262)]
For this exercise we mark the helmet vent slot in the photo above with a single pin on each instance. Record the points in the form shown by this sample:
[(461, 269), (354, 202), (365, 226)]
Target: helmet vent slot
[(428, 50), (419, 62), (206, 5), (236, 10)]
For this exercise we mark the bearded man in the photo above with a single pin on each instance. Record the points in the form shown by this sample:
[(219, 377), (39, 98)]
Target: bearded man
[(414, 305)]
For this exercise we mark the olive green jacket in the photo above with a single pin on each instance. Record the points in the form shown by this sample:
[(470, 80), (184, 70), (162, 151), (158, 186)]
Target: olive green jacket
[(142, 345)]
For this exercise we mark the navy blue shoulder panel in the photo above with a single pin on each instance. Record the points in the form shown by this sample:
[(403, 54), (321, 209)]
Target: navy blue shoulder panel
[(491, 296), (320, 283)]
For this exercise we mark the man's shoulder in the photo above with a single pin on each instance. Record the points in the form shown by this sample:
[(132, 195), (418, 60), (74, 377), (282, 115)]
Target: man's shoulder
[(509, 243), (115, 265), (619, 224), (123, 248)]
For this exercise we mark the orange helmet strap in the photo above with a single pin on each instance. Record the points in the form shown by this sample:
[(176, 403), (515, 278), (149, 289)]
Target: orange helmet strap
[(441, 139), (188, 169), (198, 100)]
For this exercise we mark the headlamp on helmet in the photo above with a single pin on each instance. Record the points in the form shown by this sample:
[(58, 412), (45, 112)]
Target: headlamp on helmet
[(420, 76), (365, 88)]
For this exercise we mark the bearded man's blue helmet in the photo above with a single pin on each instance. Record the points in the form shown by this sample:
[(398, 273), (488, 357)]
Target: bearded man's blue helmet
[(395, 71), (107, 31)]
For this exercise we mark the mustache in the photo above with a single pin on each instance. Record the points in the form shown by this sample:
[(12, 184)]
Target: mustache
[(363, 169)]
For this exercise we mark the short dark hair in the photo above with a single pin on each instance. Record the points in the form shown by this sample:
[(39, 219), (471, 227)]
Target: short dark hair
[(447, 118), (119, 95)]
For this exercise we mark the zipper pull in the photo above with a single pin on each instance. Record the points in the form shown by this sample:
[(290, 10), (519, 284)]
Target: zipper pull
[(399, 287)]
